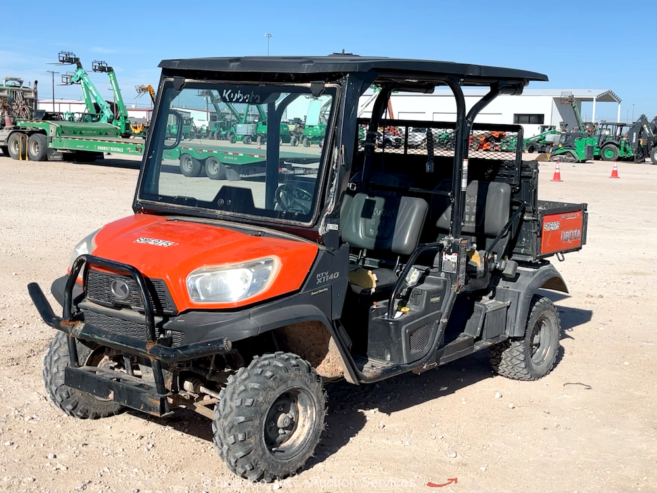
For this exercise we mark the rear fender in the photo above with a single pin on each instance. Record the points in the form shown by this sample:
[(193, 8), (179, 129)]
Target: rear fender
[(521, 289)]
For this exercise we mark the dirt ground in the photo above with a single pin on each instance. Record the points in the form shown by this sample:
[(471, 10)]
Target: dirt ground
[(589, 426)]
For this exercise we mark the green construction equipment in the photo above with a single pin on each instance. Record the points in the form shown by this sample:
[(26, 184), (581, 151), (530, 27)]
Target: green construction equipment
[(542, 142), (120, 116), (261, 131), (98, 110), (316, 122)]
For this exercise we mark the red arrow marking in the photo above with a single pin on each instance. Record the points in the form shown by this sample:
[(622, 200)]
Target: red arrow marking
[(449, 481)]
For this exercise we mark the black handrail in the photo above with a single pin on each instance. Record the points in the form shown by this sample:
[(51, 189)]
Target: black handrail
[(407, 268)]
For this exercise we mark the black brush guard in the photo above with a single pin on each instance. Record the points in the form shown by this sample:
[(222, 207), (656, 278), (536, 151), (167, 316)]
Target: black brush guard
[(121, 388)]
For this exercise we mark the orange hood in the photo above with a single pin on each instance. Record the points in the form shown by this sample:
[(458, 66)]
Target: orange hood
[(183, 246)]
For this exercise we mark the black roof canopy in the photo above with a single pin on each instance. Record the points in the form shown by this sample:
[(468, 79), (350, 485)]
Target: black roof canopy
[(391, 68)]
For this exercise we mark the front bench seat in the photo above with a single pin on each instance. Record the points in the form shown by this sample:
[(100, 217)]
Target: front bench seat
[(384, 223)]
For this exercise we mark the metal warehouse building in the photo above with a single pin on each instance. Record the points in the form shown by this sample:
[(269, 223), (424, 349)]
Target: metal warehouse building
[(532, 109)]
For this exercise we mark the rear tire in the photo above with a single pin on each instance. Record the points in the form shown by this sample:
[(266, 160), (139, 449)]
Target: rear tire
[(246, 139), (609, 153), (37, 147), (531, 149), (270, 417), (190, 166), (232, 138), (532, 356), (294, 142), (214, 169), (306, 142), (72, 401)]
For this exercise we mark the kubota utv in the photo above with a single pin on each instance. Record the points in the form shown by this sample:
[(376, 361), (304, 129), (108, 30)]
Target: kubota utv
[(241, 299)]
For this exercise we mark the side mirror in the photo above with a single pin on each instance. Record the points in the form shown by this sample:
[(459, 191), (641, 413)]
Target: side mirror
[(174, 130)]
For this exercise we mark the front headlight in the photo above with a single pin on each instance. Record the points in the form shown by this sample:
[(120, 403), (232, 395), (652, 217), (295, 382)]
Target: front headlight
[(84, 247), (234, 282)]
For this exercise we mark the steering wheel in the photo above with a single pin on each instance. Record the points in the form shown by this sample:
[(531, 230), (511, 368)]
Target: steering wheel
[(291, 198)]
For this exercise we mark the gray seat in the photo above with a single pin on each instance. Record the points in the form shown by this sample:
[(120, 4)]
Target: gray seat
[(487, 208), (384, 224)]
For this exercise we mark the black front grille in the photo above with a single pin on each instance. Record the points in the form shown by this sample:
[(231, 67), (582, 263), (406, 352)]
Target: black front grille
[(116, 325), (99, 290)]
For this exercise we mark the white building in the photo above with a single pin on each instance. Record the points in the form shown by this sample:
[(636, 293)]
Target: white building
[(532, 109)]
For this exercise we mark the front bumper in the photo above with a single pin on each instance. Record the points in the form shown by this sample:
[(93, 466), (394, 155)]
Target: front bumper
[(150, 347)]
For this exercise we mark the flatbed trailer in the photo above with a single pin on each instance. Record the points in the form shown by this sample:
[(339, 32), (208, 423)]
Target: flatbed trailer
[(40, 140)]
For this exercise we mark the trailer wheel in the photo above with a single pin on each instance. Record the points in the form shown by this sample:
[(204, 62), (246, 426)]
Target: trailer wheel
[(306, 142), (37, 147), (214, 169), (294, 142), (190, 166), (270, 417), (609, 152), (14, 145), (653, 156), (72, 401), (532, 356)]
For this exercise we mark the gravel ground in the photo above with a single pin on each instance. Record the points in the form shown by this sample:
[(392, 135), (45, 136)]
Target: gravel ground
[(587, 427)]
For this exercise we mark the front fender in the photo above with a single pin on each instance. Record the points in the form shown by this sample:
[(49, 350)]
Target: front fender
[(522, 289)]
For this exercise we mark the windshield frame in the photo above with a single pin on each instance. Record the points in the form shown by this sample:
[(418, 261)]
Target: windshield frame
[(160, 118)]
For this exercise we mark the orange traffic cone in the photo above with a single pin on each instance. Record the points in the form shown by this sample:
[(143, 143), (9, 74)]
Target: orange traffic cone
[(614, 171), (557, 173)]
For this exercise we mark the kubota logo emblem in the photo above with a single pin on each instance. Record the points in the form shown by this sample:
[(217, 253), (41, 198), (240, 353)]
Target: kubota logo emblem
[(120, 289)]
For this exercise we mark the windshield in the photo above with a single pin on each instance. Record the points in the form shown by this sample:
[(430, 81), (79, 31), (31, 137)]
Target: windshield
[(261, 156)]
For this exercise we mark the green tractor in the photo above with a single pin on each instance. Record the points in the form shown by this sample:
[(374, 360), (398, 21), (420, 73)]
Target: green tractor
[(542, 142), (286, 136), (316, 122)]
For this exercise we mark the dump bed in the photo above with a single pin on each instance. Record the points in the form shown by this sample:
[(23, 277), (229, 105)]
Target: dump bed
[(551, 228)]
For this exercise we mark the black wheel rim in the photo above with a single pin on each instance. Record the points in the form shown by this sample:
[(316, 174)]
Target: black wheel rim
[(289, 423), (540, 341), (34, 147)]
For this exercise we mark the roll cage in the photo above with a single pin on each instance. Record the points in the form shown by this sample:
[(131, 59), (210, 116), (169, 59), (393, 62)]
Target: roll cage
[(354, 75)]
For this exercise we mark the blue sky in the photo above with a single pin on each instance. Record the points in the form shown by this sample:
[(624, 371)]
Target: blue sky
[(578, 44)]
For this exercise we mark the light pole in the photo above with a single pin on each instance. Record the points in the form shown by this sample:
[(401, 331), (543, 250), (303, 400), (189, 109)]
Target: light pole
[(268, 36), (53, 87)]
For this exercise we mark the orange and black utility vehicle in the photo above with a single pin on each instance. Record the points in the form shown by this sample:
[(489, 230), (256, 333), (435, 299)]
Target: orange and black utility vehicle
[(240, 298)]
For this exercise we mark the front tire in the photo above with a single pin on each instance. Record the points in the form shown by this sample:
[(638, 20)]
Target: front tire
[(72, 401), (270, 417), (532, 356)]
